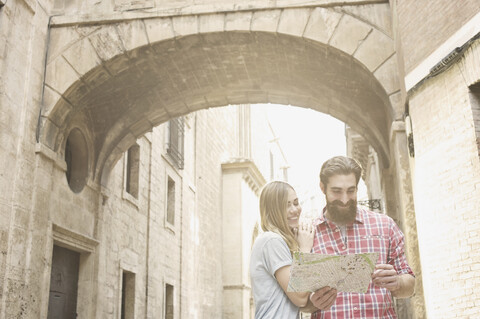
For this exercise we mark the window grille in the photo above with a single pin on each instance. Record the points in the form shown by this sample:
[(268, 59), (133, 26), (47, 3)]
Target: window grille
[(176, 133)]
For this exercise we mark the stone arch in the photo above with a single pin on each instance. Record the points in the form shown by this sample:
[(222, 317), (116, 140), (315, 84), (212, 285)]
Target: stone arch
[(130, 76)]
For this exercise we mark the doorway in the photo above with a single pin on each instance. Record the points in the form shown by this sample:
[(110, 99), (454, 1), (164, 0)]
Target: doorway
[(62, 303)]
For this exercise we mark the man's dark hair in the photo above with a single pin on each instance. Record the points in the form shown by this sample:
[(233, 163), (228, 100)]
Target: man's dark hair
[(340, 165)]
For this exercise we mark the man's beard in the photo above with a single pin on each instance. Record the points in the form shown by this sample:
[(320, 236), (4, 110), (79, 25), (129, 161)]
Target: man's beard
[(342, 214)]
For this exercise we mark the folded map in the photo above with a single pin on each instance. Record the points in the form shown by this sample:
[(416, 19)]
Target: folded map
[(346, 273)]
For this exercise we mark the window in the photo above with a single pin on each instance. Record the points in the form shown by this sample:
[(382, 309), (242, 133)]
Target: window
[(475, 102), (76, 158), (171, 201), (133, 170), (128, 295), (169, 311), (175, 141)]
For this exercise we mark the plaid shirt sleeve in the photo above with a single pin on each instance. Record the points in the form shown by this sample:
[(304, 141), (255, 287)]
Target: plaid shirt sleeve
[(396, 254)]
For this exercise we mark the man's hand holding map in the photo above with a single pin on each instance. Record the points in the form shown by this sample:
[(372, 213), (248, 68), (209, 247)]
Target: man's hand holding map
[(347, 273)]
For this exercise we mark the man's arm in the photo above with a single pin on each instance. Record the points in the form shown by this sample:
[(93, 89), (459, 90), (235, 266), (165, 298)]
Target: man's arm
[(400, 285)]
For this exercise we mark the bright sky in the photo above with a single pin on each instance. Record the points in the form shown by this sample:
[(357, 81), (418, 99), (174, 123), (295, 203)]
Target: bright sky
[(308, 138)]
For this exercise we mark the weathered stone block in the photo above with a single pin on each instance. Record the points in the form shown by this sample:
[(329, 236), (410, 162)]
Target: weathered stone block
[(293, 21), (60, 40), (185, 25), (81, 56), (107, 42), (60, 75), (387, 75), (398, 105), (238, 21), (378, 15), (132, 34), (159, 29), (349, 34), (211, 23), (265, 21), (127, 5), (322, 24), (375, 50)]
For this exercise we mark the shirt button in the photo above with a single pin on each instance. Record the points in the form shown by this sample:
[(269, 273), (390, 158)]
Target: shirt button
[(343, 247), (355, 308)]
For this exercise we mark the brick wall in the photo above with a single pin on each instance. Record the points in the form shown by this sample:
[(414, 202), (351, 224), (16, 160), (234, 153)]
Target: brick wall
[(447, 194), (425, 25)]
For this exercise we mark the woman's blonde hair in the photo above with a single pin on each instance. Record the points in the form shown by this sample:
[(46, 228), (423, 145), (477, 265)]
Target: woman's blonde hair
[(273, 211)]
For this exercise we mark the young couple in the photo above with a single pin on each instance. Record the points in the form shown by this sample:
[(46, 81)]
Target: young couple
[(342, 228)]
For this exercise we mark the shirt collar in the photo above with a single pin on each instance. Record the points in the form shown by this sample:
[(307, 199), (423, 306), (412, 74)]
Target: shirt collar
[(359, 218)]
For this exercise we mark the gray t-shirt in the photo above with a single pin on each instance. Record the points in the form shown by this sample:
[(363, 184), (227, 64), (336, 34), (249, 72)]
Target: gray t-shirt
[(270, 253)]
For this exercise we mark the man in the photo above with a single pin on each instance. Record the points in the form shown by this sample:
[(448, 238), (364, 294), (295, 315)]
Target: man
[(343, 228)]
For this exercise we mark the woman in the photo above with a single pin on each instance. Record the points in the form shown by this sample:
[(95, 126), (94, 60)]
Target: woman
[(272, 253)]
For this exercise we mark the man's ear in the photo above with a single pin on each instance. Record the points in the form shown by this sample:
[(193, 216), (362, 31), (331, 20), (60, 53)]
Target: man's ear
[(322, 187)]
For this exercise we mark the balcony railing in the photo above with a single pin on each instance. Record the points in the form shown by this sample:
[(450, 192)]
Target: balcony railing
[(373, 204)]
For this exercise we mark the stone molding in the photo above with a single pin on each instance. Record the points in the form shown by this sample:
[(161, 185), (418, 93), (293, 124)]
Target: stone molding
[(250, 172), (46, 152), (201, 9), (69, 239)]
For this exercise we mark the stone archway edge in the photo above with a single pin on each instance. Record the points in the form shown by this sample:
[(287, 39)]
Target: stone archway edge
[(355, 37), (149, 11), (75, 50)]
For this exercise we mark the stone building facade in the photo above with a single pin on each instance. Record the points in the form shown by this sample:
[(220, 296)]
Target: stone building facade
[(82, 82)]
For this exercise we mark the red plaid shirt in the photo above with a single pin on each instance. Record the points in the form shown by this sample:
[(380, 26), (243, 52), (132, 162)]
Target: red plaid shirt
[(371, 232)]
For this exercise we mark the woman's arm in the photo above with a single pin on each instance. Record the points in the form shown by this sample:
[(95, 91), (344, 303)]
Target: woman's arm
[(304, 238), (282, 275)]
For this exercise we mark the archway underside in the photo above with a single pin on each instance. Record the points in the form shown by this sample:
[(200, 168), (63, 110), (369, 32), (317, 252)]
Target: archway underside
[(127, 96)]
